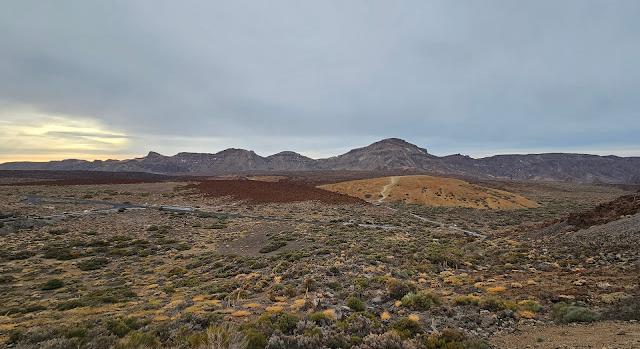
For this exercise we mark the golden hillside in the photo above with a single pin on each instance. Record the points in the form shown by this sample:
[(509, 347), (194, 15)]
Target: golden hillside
[(432, 191)]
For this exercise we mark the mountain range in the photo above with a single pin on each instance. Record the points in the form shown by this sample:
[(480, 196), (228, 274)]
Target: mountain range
[(392, 154)]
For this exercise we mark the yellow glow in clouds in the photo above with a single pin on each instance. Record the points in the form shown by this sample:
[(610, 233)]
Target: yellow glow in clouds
[(30, 136)]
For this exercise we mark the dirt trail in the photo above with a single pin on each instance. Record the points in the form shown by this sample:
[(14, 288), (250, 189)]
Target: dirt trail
[(387, 188)]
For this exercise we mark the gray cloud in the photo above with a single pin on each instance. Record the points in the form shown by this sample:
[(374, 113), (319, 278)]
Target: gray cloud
[(453, 76)]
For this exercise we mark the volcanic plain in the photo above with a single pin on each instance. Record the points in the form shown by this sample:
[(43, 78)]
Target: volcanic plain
[(255, 262)]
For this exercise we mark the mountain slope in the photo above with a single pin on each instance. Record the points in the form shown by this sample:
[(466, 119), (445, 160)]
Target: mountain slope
[(392, 154), (387, 154)]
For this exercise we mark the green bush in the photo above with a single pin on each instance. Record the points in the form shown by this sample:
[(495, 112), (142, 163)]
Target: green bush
[(20, 255), (122, 326), (406, 327), (319, 317), (52, 284), (420, 301), (453, 339), (76, 332), (139, 340), (108, 296), (71, 304), (529, 305), (496, 304), (466, 300), (565, 313), (284, 322), (287, 323), (255, 339), (355, 304), (397, 288)]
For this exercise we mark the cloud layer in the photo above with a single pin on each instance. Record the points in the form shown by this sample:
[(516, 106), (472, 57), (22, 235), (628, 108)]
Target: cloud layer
[(454, 76)]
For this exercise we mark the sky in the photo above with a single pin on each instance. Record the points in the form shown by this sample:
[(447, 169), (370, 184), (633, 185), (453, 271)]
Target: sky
[(116, 79)]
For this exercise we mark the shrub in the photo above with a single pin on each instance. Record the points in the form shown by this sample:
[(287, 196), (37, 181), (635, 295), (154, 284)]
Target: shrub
[(284, 322), (466, 300), (453, 339), (397, 288), (108, 296), (566, 313), (20, 255), (496, 304), (255, 339), (76, 332), (355, 304), (360, 324), (319, 316), (93, 263), (625, 309), (122, 326), (529, 305), (71, 304), (272, 246), (420, 301), (27, 308), (225, 337), (60, 253), (389, 340), (406, 327), (52, 284), (139, 340)]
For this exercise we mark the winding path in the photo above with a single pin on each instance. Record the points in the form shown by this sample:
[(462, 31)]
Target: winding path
[(384, 193)]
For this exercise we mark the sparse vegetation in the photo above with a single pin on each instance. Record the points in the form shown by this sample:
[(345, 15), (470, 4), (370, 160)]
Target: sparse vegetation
[(52, 284), (420, 301), (566, 313), (92, 263), (301, 275)]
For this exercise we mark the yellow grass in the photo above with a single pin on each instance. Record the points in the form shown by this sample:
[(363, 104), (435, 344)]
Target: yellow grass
[(274, 309), (240, 313), (526, 314), (330, 313), (496, 289), (298, 304)]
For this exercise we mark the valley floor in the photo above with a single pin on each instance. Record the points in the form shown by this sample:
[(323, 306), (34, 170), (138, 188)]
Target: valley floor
[(174, 265)]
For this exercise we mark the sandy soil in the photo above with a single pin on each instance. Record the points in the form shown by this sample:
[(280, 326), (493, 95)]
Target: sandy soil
[(432, 191), (607, 334)]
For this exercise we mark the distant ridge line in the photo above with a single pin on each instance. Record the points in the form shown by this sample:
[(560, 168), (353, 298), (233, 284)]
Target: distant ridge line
[(391, 154)]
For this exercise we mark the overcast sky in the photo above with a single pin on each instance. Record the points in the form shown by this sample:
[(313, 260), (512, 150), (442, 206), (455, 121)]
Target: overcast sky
[(114, 79)]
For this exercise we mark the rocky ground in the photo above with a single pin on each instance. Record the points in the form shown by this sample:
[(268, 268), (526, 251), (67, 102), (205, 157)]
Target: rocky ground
[(307, 274)]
